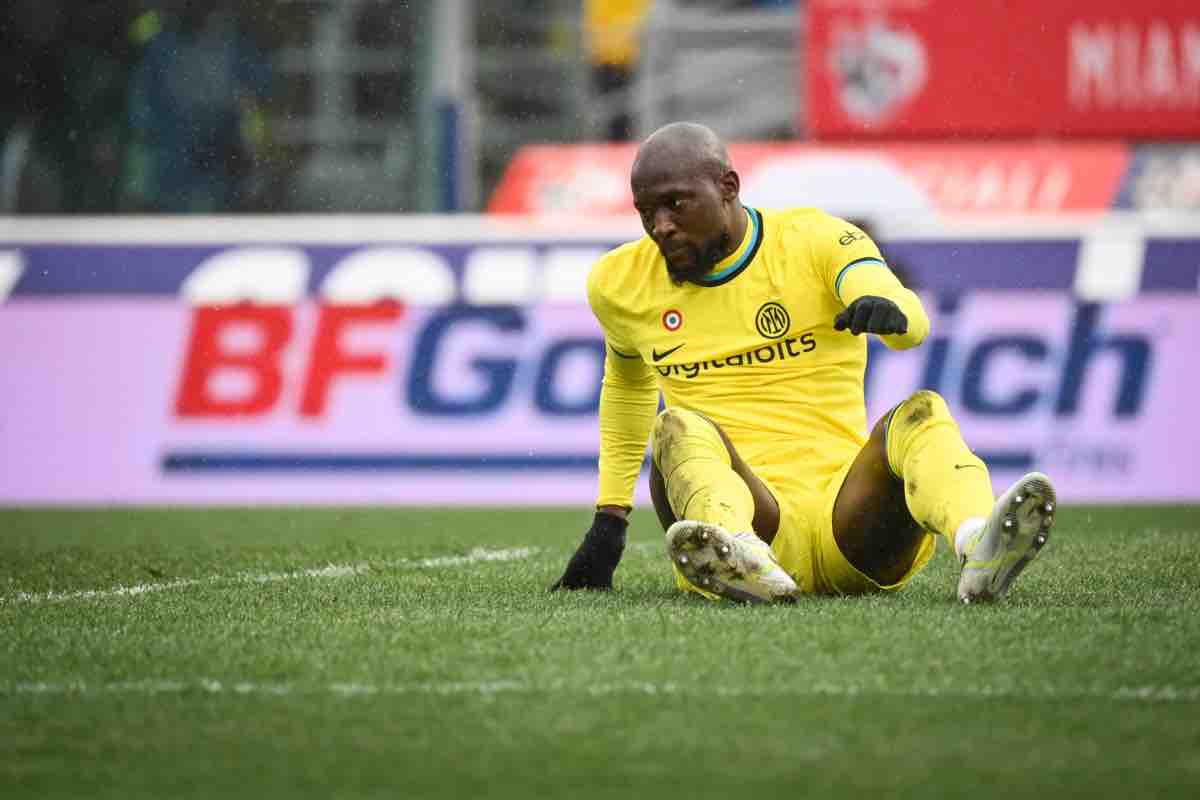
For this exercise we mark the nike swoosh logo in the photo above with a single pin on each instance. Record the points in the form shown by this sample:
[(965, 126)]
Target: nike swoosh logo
[(964, 466), (657, 356)]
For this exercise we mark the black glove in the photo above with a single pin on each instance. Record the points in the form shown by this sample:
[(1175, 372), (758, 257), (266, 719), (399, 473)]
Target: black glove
[(596, 559), (871, 314)]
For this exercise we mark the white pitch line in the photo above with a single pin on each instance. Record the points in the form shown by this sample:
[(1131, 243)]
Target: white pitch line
[(479, 555), (1136, 694)]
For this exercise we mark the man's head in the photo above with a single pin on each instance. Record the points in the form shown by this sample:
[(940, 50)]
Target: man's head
[(687, 195)]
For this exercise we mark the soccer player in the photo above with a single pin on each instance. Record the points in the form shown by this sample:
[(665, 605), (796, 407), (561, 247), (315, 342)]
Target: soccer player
[(751, 324)]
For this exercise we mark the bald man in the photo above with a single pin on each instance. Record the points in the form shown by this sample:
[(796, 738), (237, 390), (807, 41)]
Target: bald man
[(752, 324)]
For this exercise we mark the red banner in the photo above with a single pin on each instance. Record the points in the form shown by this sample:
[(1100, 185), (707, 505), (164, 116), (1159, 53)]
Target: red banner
[(850, 180), (944, 68)]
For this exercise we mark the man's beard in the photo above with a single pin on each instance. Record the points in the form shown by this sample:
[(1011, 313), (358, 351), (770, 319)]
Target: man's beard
[(703, 260)]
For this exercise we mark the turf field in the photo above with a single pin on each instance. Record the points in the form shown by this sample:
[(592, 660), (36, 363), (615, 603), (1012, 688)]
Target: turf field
[(402, 653)]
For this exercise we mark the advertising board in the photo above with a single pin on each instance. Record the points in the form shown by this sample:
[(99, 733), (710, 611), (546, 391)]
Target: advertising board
[(1001, 68), (465, 369), (930, 180)]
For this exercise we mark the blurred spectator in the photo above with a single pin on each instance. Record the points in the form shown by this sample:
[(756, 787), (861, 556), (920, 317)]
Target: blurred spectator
[(613, 30), (194, 108), (29, 89), (90, 132), (65, 70)]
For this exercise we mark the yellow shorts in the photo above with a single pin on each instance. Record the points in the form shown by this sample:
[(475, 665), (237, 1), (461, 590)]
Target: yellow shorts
[(805, 545)]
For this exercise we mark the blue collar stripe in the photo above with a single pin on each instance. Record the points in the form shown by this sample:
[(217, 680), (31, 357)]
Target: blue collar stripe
[(740, 264)]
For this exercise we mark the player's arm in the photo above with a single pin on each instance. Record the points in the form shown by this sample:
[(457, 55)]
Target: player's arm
[(873, 299), (628, 404)]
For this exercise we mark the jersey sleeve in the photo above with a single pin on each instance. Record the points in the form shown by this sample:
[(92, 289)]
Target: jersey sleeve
[(851, 266), (628, 404)]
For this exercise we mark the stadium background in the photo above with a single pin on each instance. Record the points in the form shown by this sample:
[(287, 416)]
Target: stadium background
[(455, 159), (330, 254)]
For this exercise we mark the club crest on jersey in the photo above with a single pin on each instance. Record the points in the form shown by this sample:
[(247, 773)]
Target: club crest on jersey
[(772, 320), (672, 320)]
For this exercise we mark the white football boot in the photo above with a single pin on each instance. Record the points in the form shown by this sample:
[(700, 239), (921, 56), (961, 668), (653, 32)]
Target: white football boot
[(722, 564), (1010, 538)]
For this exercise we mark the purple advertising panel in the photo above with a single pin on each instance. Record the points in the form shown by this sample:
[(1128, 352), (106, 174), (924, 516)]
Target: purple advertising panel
[(145, 374)]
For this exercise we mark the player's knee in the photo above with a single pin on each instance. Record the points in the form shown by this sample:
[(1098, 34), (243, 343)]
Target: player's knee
[(669, 428), (918, 408), (919, 412), (673, 427)]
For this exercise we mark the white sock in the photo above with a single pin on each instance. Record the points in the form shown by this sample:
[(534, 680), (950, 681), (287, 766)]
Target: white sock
[(966, 531)]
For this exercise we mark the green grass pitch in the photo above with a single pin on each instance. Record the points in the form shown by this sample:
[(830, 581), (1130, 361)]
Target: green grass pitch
[(408, 653)]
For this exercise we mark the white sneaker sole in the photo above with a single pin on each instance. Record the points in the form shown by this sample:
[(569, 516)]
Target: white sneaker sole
[(714, 560), (1014, 534)]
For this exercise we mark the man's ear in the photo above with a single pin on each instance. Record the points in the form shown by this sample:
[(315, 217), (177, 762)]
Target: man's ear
[(730, 185)]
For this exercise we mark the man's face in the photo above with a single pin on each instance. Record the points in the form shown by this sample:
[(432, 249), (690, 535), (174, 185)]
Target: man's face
[(685, 216)]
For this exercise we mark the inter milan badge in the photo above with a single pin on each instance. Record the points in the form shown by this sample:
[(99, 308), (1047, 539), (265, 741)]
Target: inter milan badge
[(772, 320), (672, 320)]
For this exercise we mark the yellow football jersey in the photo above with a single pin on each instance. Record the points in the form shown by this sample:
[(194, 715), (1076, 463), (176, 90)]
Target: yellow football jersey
[(752, 346)]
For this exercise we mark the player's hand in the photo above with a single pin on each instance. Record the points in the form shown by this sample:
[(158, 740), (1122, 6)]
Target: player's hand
[(597, 557), (871, 314)]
